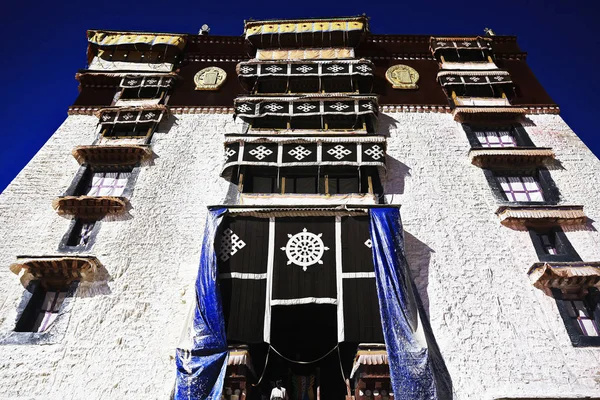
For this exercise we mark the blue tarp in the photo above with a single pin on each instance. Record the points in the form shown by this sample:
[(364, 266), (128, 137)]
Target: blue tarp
[(410, 367), (201, 369)]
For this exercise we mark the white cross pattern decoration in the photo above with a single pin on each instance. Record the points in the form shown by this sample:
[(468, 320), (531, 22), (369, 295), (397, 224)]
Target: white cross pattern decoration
[(299, 152), (450, 79), (274, 68), (467, 44), (127, 116), (260, 152), (230, 244), (305, 249), (132, 82), (363, 68), (244, 108), (475, 79), (229, 152), (245, 69), (106, 117), (499, 78), (306, 107), (375, 152), (339, 106), (369, 243), (273, 107), (339, 152), (304, 69), (149, 115), (335, 68), (152, 81), (368, 106)]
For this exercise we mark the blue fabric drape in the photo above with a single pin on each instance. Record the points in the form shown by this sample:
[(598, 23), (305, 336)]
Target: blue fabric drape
[(201, 369), (410, 369)]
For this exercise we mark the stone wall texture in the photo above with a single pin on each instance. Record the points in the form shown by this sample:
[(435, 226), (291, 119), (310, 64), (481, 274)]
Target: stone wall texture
[(499, 336)]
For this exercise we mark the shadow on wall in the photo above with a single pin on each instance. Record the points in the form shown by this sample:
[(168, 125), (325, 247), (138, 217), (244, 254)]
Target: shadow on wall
[(395, 179), (385, 125), (418, 256)]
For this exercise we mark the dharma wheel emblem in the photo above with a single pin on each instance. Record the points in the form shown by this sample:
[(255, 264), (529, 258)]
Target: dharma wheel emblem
[(402, 77), (305, 249), (210, 78)]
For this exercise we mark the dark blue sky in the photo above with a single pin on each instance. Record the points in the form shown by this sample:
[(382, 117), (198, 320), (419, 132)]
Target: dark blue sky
[(44, 44)]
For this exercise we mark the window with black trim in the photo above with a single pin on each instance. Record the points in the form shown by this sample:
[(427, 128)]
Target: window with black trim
[(551, 244), (523, 186), (494, 136), (307, 180), (102, 181), (143, 93), (128, 131), (43, 308), (581, 315), (326, 123)]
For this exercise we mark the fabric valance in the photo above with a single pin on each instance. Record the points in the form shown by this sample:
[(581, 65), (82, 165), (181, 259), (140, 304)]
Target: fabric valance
[(305, 153), (308, 68), (144, 81), (448, 78), (104, 38), (463, 43), (564, 274), (256, 107), (131, 115)]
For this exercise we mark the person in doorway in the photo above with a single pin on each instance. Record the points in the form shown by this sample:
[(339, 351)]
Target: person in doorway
[(279, 392)]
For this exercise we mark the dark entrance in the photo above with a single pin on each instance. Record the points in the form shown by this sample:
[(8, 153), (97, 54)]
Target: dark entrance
[(305, 333)]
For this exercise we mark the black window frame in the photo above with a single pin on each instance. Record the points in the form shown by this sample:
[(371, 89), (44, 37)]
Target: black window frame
[(276, 175), (566, 251), (592, 300), (83, 178), (519, 133), (66, 244), (550, 192)]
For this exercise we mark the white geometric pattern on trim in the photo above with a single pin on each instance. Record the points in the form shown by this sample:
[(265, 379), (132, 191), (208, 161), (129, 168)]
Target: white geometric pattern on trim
[(335, 68), (299, 152), (304, 69), (274, 68), (369, 243), (368, 106), (261, 152), (339, 152), (230, 244), (306, 107), (229, 152), (375, 152), (245, 69), (273, 107), (244, 108), (363, 68), (304, 249), (339, 106)]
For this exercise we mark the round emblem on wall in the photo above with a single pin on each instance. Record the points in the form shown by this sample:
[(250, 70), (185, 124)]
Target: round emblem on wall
[(402, 77), (305, 249), (210, 78)]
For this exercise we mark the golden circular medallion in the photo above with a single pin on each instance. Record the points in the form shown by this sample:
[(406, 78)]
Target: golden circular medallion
[(210, 78), (402, 77)]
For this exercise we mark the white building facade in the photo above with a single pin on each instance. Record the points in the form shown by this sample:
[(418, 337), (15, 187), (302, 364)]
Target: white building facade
[(102, 231)]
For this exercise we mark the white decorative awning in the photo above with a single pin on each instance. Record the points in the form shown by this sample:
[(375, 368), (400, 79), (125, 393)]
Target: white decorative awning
[(336, 53), (450, 78), (476, 43)]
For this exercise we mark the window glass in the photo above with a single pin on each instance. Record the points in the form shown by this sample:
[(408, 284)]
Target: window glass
[(108, 183), (582, 317), (496, 137), (521, 188)]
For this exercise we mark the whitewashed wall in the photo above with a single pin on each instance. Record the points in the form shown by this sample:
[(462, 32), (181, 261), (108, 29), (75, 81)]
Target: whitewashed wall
[(499, 336)]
